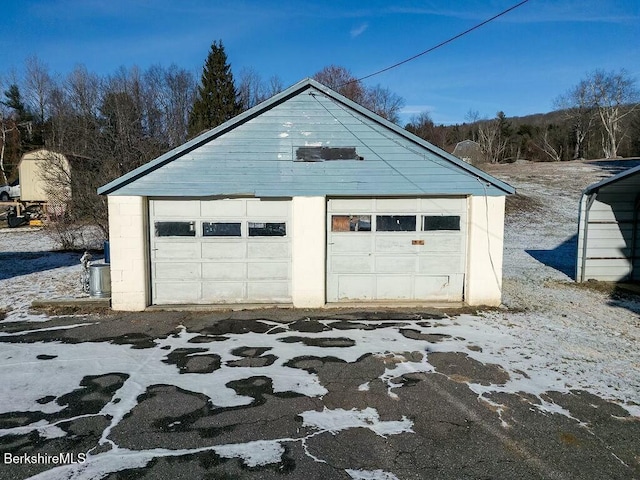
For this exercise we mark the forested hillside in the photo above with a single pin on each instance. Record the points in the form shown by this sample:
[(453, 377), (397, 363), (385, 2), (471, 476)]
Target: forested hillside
[(598, 118)]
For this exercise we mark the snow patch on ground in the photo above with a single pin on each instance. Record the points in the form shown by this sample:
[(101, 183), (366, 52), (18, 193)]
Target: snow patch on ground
[(30, 269), (53, 369), (371, 475), (337, 420)]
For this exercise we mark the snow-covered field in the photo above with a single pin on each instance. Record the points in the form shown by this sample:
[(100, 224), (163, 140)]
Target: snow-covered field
[(551, 335), (584, 334)]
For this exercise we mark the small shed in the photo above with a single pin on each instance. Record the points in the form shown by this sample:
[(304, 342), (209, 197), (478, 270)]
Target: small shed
[(608, 232), (305, 199), (44, 174)]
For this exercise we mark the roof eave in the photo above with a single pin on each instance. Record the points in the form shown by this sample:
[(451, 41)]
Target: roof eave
[(608, 181)]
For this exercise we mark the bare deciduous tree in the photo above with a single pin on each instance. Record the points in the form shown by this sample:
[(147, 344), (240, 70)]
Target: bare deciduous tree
[(579, 112), (378, 99), (422, 125), (493, 137), (38, 84), (342, 81), (251, 89), (611, 93), (384, 102), (612, 96), (548, 145)]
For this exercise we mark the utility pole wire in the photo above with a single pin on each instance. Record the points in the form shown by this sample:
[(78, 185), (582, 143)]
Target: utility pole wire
[(440, 44)]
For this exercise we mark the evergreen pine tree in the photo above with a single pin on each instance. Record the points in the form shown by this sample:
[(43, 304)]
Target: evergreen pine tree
[(217, 99), (13, 100)]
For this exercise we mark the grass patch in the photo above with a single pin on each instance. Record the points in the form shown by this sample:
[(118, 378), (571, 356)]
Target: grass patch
[(519, 203)]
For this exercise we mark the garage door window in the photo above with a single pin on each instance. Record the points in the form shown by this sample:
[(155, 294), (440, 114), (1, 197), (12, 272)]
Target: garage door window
[(221, 229), (175, 229), (257, 229), (444, 222), (395, 223), (351, 223)]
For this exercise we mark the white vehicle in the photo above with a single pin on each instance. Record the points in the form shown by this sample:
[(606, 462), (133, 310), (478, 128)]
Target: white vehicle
[(11, 191)]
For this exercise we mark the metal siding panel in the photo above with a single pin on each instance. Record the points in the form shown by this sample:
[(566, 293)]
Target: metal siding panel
[(608, 270), (608, 252), (610, 231), (604, 213)]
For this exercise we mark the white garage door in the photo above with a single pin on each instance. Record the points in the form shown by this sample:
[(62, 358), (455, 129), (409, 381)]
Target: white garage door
[(396, 249), (220, 251)]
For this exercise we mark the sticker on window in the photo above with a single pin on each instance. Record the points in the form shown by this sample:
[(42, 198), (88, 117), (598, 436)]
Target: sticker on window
[(395, 223), (351, 223)]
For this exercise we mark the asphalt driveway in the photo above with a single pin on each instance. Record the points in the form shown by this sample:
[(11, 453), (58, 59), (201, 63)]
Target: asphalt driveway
[(296, 395)]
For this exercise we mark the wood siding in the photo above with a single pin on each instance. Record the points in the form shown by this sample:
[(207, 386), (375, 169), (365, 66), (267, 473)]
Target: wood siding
[(256, 156)]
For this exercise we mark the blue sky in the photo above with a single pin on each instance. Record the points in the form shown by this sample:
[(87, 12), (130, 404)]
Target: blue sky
[(518, 64)]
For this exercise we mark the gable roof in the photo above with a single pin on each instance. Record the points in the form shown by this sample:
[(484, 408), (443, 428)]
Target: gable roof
[(255, 154), (594, 188)]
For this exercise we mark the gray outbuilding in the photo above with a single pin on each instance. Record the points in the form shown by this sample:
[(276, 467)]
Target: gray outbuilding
[(608, 232), (306, 199)]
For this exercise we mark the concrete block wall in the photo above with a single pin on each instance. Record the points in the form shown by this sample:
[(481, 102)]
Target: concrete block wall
[(308, 269), (483, 284), (129, 260)]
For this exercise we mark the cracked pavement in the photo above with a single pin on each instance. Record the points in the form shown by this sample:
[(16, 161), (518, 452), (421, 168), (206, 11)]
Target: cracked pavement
[(268, 394)]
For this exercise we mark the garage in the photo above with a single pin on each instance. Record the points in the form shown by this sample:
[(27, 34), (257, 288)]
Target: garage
[(405, 249), (306, 200), (220, 251)]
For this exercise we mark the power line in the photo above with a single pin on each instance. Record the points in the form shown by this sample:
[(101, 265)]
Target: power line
[(441, 44)]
